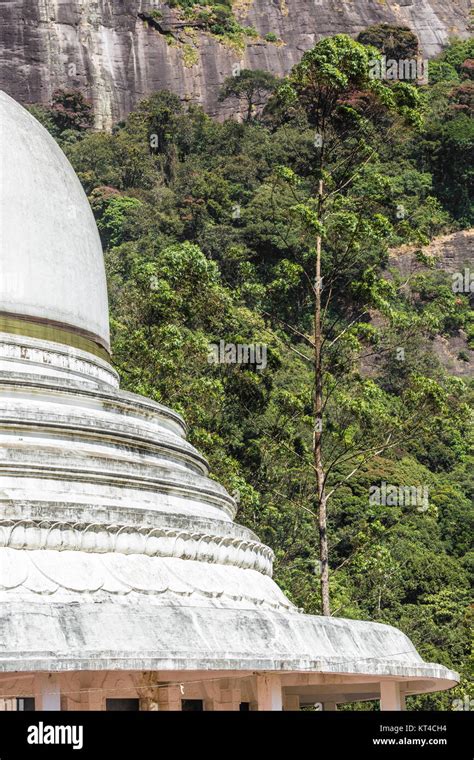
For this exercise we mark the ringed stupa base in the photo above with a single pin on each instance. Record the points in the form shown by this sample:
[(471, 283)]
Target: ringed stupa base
[(124, 577)]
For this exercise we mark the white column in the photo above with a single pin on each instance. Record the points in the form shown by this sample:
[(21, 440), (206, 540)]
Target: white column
[(269, 693), (47, 693), (8, 704), (390, 696)]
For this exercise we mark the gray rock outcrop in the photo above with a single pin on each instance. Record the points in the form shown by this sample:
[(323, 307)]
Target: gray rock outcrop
[(111, 52)]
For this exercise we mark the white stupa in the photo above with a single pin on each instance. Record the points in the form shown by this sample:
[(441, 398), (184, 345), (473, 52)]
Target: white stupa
[(122, 573)]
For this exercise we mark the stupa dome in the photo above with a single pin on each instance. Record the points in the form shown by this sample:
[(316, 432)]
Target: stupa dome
[(52, 281)]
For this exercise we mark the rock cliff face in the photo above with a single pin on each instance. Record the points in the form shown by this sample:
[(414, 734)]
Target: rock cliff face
[(107, 48)]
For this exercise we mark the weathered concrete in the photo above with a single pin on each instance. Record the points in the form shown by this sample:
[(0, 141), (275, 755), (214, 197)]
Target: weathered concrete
[(220, 635), (117, 551)]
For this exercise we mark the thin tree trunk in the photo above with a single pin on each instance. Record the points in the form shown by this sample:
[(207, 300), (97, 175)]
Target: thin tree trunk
[(249, 110), (317, 436)]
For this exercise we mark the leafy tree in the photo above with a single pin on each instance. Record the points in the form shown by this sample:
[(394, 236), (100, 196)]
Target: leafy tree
[(113, 209), (67, 118), (448, 149), (71, 111), (345, 107), (250, 86), (457, 52), (396, 42)]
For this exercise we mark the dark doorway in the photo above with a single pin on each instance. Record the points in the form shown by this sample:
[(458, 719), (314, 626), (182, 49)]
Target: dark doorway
[(122, 705), (25, 704), (192, 705)]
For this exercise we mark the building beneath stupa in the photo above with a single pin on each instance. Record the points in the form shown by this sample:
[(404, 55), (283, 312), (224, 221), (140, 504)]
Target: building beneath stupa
[(124, 581)]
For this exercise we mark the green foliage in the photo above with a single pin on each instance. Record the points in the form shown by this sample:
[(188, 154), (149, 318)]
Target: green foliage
[(209, 233), (397, 42), (68, 116), (114, 211), (333, 88), (335, 64), (458, 52), (214, 16), (447, 147), (251, 86)]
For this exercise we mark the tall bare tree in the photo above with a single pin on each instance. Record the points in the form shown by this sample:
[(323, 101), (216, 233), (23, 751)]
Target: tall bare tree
[(352, 115)]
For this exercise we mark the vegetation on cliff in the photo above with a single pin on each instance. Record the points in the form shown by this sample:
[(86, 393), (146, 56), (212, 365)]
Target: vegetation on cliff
[(216, 18)]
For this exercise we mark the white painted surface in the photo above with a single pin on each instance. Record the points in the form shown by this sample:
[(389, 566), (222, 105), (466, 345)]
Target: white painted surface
[(47, 692), (117, 552), (269, 692), (51, 261)]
